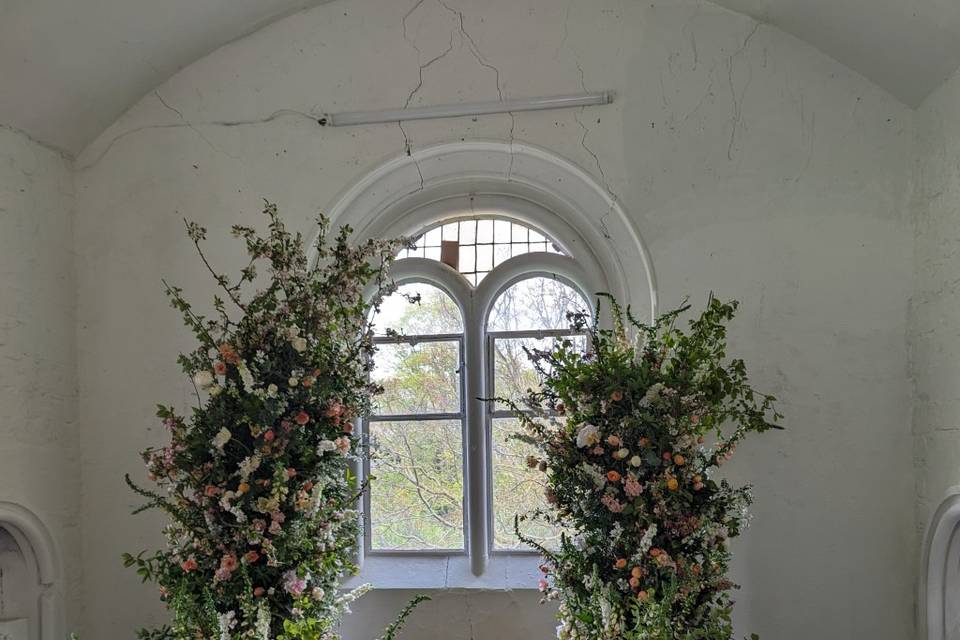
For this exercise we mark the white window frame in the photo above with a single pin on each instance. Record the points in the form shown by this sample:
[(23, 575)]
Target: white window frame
[(480, 564)]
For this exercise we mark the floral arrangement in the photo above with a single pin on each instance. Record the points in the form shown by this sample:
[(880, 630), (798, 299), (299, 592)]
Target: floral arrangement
[(628, 436), (256, 481)]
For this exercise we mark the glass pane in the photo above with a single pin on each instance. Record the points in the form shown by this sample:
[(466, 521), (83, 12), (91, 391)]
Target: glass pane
[(485, 231), (468, 232), (535, 303), (423, 378), (450, 231), (517, 490), (484, 257), (491, 240), (433, 237), (501, 231), (513, 372), (468, 259), (435, 313), (416, 493)]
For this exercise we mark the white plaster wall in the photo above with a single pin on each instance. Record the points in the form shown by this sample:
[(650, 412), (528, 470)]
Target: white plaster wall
[(935, 332), (39, 467), (753, 166)]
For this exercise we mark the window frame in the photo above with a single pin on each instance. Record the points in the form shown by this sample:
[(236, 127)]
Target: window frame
[(480, 564)]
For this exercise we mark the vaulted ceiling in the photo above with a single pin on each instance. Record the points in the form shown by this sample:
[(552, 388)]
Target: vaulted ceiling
[(70, 67), (908, 47)]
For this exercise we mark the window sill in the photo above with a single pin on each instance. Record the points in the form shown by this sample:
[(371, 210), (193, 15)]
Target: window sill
[(503, 573)]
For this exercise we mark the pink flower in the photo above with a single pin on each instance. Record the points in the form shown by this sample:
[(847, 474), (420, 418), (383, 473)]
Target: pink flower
[(220, 368), (229, 562), (631, 486), (294, 584), (343, 445), (335, 409), (269, 435), (189, 564), (542, 585), (611, 503), (302, 418)]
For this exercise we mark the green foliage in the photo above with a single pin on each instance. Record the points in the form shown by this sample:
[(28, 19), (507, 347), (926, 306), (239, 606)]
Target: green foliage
[(629, 435), (256, 480)]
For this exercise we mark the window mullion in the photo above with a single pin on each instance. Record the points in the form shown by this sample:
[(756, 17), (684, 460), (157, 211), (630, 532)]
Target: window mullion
[(476, 439)]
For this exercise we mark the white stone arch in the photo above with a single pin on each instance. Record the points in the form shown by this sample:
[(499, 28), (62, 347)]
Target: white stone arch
[(940, 573), (39, 550), (404, 194)]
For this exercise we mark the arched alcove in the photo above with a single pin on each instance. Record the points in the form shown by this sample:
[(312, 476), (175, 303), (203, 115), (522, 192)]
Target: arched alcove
[(940, 581), (534, 185), (28, 553)]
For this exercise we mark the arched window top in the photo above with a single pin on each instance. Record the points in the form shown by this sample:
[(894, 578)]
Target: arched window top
[(418, 308), (476, 245), (534, 304)]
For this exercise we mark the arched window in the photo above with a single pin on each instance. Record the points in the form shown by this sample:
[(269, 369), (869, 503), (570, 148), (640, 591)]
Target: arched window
[(445, 479)]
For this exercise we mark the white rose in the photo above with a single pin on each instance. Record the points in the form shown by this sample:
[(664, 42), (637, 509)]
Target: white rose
[(327, 445), (300, 344), (293, 332), (212, 353), (222, 438), (203, 379), (636, 461), (293, 381), (272, 391), (588, 436), (620, 454)]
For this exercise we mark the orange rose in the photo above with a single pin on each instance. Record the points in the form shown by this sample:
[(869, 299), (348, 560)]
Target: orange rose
[(620, 563), (613, 476)]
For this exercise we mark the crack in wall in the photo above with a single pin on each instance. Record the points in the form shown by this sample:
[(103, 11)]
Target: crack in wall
[(738, 101), (66, 155), (407, 148), (474, 50), (279, 113), (425, 66), (189, 124), (614, 198)]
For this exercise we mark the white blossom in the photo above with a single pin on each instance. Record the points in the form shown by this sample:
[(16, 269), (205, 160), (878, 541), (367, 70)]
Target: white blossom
[(203, 379), (587, 436), (222, 438)]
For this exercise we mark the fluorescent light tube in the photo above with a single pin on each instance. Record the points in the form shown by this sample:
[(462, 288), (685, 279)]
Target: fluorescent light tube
[(467, 109)]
